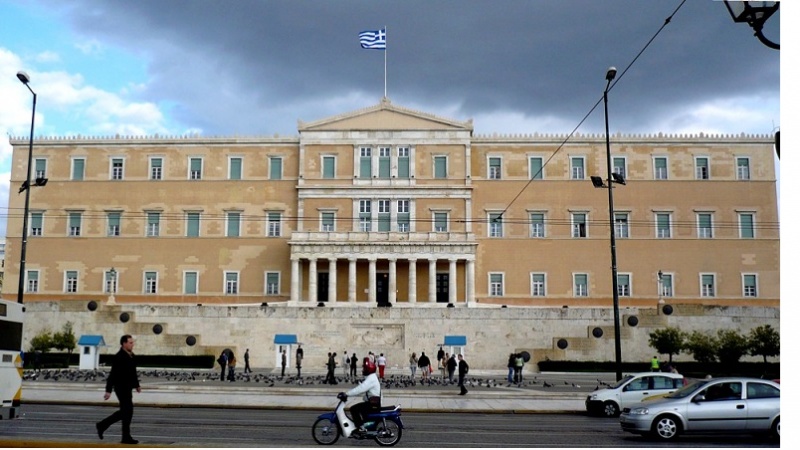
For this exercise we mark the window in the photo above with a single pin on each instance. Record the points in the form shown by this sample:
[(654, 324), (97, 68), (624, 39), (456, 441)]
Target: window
[(274, 224), (231, 283), (151, 282), (327, 220), (329, 167), (384, 162), (495, 225), (195, 168), (537, 225), (113, 219), (705, 228), (496, 284), (153, 224), (707, 285), (579, 225), (663, 225), (404, 216), (666, 285), (365, 215), (32, 284), (749, 288), (110, 282), (536, 168), (742, 168), (190, 283), (538, 285), (275, 168), (273, 283), (37, 219), (620, 166), (440, 167), (624, 285), (746, 226), (235, 168), (233, 224), (440, 222), (761, 390), (660, 164), (384, 215), (621, 226), (365, 162), (40, 168), (495, 166), (192, 224), (403, 163), (156, 168), (701, 168), (117, 168), (74, 224), (580, 283), (78, 169), (71, 281), (576, 166)]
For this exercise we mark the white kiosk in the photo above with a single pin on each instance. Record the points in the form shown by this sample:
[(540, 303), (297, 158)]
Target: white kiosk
[(285, 342), (90, 351), (455, 344)]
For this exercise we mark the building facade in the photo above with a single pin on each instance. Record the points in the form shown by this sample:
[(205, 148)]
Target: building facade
[(390, 206)]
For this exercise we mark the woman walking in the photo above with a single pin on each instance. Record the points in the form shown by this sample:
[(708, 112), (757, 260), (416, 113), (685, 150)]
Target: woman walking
[(412, 364)]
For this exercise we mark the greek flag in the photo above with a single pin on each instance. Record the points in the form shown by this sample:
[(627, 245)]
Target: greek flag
[(373, 39)]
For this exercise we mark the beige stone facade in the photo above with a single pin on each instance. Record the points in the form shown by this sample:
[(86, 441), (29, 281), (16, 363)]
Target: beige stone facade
[(392, 206)]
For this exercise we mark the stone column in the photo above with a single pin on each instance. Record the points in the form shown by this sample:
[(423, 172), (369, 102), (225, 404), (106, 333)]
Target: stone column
[(412, 281), (431, 281), (452, 287), (470, 282), (294, 295), (372, 281), (392, 280), (332, 280), (351, 281), (312, 280)]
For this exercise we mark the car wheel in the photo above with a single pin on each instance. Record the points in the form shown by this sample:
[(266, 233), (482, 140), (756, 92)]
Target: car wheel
[(776, 429), (666, 428), (610, 409)]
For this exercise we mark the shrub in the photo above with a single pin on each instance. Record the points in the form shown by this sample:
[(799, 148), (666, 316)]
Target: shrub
[(732, 345), (668, 341), (42, 342), (703, 347), (764, 341)]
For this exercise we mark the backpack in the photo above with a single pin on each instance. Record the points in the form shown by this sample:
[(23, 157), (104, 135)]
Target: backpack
[(222, 360), (466, 368), (347, 361)]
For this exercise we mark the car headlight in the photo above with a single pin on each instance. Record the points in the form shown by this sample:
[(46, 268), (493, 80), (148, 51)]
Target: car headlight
[(639, 411), (593, 397)]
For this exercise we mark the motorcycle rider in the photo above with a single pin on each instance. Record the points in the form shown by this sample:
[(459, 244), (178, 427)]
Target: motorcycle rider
[(371, 388)]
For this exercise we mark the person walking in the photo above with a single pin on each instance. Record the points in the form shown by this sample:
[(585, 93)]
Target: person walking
[(345, 364), (223, 362), (330, 377), (512, 363), (298, 358), (424, 364), (353, 365), (452, 365), (381, 366), (232, 368), (412, 364), (122, 380), (463, 370), (518, 363), (283, 363), (247, 368), (654, 364)]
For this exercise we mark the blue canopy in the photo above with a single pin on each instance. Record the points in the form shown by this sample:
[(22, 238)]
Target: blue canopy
[(92, 340), (286, 339), (455, 340)]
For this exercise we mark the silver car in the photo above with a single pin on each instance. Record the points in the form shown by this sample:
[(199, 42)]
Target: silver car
[(718, 405)]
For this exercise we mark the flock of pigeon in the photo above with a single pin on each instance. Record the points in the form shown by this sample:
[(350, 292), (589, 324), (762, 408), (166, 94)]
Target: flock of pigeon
[(391, 381)]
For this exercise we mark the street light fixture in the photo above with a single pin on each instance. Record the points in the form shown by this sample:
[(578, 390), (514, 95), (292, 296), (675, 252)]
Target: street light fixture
[(660, 291), (25, 79), (756, 15), (598, 183), (112, 288)]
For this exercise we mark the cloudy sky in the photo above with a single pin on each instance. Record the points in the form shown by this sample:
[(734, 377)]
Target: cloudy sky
[(256, 67)]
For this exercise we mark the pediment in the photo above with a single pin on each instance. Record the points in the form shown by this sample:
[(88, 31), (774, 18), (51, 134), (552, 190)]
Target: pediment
[(384, 116)]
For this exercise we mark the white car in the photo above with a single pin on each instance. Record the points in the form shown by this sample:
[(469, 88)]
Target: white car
[(632, 389)]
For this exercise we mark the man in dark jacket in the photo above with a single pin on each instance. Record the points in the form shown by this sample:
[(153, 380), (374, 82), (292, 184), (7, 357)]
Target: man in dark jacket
[(452, 365), (463, 369), (123, 380)]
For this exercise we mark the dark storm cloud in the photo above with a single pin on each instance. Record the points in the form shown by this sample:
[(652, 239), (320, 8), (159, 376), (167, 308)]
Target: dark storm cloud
[(255, 67)]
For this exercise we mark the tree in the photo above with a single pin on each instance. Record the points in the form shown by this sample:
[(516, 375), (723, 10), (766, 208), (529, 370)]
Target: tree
[(42, 341), (65, 339), (703, 347), (732, 345), (668, 341), (765, 341)]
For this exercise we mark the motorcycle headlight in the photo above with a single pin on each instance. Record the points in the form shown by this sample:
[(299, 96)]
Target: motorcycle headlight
[(639, 411)]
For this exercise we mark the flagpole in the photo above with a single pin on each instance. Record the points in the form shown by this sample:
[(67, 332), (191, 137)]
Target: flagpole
[(385, 51)]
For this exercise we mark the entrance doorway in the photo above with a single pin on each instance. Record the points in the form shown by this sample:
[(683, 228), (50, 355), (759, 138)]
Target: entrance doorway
[(322, 286), (442, 287), (382, 288)]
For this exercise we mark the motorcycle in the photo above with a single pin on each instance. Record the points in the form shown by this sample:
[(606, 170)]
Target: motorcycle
[(384, 426)]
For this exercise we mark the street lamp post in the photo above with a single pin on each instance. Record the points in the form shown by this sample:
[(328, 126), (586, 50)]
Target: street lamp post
[(660, 291), (610, 74), (25, 79)]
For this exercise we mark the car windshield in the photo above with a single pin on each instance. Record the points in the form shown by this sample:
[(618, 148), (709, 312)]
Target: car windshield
[(624, 380), (687, 390)]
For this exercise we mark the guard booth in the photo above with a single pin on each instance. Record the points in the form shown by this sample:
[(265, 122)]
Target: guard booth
[(285, 342), (455, 345), (89, 345)]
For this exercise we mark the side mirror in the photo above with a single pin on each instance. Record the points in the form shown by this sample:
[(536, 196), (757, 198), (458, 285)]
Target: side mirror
[(699, 398)]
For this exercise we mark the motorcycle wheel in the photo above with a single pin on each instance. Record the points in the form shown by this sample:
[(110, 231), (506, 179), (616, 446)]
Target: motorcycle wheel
[(388, 433), (325, 432)]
